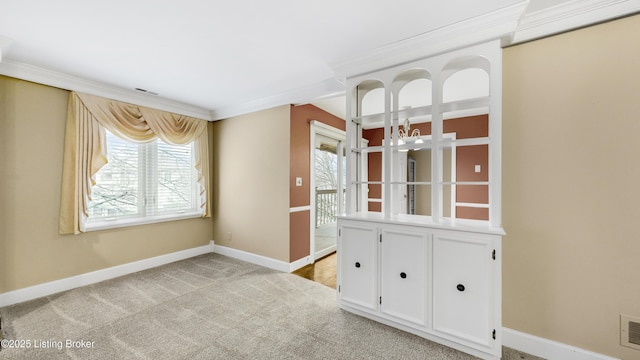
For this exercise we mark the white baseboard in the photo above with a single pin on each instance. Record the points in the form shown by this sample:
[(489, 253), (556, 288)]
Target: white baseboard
[(299, 263), (325, 252), (259, 259), (547, 349), (56, 286), (53, 287), (252, 258)]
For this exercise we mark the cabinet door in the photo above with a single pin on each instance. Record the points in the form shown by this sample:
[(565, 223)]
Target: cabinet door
[(404, 274), (463, 302), (357, 264)]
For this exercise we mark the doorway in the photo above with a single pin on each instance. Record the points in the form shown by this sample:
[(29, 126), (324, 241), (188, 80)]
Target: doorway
[(327, 187)]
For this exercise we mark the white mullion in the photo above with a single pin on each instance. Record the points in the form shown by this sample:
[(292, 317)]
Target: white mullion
[(454, 175), (495, 134), (151, 177), (364, 173), (472, 141), (351, 161), (361, 190), (436, 151), (387, 155), (142, 165), (395, 155)]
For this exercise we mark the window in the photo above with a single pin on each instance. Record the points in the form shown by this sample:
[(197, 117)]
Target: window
[(143, 183)]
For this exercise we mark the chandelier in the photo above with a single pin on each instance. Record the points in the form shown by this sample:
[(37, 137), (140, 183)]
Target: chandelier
[(406, 136)]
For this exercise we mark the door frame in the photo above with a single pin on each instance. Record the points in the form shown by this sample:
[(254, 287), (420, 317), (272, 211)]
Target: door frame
[(319, 128)]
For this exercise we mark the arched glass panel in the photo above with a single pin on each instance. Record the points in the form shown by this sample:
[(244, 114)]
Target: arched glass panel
[(465, 95), (414, 88), (411, 176), (370, 96), (466, 84)]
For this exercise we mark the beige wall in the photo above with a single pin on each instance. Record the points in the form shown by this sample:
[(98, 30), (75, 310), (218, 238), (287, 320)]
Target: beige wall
[(32, 121), (570, 199), (251, 181)]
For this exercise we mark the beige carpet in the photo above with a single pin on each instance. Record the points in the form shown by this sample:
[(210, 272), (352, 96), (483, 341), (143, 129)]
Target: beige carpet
[(207, 307)]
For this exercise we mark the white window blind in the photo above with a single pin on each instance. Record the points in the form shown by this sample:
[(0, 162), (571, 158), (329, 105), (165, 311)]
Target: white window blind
[(175, 178), (116, 193), (143, 183)]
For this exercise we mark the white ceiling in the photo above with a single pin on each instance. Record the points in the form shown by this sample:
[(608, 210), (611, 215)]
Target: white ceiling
[(219, 55)]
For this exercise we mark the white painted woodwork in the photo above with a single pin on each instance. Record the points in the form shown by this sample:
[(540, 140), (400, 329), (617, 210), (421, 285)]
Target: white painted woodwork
[(358, 261), (403, 274), (427, 300), (433, 274), (466, 262), (485, 57)]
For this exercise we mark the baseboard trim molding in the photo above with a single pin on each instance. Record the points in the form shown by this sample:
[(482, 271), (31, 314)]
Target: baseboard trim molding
[(252, 258), (547, 349), (56, 286), (299, 263)]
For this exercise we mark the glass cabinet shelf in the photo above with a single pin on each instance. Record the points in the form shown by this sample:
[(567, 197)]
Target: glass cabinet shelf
[(481, 103)]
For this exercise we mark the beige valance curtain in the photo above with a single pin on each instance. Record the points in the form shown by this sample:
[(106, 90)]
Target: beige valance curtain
[(85, 149)]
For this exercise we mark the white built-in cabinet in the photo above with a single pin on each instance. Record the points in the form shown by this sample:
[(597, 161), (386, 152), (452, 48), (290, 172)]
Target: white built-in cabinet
[(419, 245), (403, 274), (438, 283)]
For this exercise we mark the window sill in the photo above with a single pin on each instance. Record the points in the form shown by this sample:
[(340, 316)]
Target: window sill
[(120, 223)]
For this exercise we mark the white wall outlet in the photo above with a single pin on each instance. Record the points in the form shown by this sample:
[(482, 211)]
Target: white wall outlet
[(298, 181), (229, 236), (478, 169)]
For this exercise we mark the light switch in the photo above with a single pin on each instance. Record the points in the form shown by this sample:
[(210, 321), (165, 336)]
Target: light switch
[(298, 181), (477, 168)]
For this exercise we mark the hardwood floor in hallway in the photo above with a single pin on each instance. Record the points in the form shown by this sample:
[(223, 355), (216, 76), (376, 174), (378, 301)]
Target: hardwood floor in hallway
[(322, 271)]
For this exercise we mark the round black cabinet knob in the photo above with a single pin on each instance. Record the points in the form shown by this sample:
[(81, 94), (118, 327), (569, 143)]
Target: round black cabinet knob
[(357, 264), (403, 275), (460, 287)]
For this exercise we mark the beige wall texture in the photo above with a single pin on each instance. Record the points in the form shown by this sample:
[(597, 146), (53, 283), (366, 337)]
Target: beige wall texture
[(251, 183), (571, 122), (32, 122)]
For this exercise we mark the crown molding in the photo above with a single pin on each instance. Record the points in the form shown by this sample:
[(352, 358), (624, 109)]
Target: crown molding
[(571, 15), (494, 25), (40, 75), (302, 95)]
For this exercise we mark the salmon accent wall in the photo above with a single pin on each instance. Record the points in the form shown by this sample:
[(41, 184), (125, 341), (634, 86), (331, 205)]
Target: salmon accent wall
[(467, 157), (301, 117), (299, 235)]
